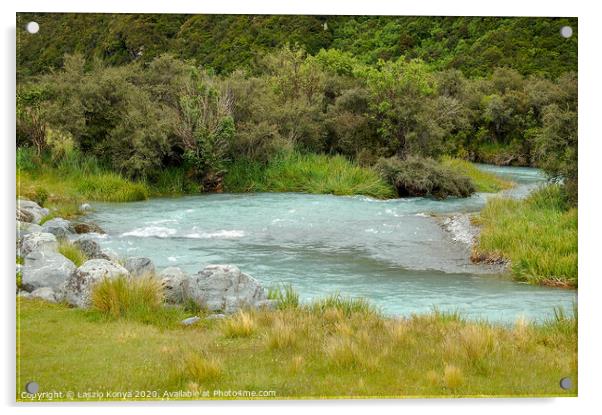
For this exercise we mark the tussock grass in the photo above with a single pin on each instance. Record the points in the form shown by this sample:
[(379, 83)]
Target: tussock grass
[(307, 173), (537, 235), (134, 298), (282, 336), (111, 187), (453, 377), (343, 305), (199, 369), (72, 253), (285, 295), (62, 186), (241, 324), (348, 355), (483, 181)]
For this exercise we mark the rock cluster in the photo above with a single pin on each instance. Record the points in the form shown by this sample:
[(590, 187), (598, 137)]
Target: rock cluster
[(49, 275)]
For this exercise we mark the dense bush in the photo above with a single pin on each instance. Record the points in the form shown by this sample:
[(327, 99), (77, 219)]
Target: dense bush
[(415, 176), (141, 120)]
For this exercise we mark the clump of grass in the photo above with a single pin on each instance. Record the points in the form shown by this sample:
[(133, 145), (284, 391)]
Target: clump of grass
[(345, 305), (282, 336), (111, 187), (198, 368), (133, 298), (40, 196), (296, 364), (241, 324), (63, 186), (174, 181), (72, 252), (453, 377), (285, 295), (416, 176), (537, 235), (343, 352), (482, 180), (307, 173), (20, 260)]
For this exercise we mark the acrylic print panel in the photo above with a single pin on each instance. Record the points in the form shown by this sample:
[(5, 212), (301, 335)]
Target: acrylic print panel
[(295, 207)]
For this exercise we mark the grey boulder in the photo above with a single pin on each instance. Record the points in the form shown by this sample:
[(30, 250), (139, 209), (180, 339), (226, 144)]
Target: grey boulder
[(77, 289), (25, 228), (44, 293), (59, 227), (172, 279), (138, 266), (90, 248), (38, 241), (45, 269), (190, 320), (224, 288), (24, 216), (32, 210)]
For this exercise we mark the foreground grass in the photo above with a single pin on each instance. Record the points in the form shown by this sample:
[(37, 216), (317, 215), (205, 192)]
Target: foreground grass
[(307, 173), (334, 348), (483, 181), (537, 235)]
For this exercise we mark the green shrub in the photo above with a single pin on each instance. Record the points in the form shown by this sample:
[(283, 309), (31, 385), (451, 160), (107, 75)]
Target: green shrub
[(26, 159), (40, 196), (417, 176)]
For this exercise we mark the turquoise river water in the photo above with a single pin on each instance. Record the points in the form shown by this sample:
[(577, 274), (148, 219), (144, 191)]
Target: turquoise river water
[(394, 253)]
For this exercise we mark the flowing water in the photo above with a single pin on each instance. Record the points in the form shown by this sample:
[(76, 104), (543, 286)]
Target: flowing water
[(394, 253)]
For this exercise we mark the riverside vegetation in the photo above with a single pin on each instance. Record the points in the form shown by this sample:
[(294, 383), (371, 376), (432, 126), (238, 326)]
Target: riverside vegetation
[(162, 105)]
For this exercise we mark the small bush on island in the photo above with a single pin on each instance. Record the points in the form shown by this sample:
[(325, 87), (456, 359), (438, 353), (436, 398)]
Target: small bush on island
[(416, 176)]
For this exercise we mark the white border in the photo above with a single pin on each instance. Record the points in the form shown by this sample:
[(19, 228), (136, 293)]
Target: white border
[(590, 230)]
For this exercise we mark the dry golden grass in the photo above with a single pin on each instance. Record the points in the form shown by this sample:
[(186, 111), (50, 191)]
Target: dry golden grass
[(453, 377), (200, 369), (296, 352), (242, 324)]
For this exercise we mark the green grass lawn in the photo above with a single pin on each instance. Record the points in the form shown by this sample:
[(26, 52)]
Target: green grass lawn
[(328, 349), (538, 235)]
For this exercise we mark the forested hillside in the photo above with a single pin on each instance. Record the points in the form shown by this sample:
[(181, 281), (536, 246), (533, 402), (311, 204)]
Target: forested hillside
[(474, 45)]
